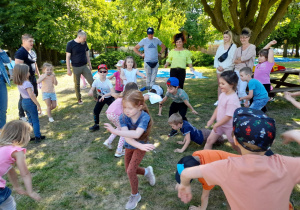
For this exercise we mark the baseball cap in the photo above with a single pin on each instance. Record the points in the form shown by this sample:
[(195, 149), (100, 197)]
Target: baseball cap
[(150, 30), (185, 162), (120, 63), (173, 81), (253, 127), (102, 66)]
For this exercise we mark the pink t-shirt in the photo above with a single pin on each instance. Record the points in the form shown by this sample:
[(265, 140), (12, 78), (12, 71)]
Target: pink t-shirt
[(119, 82), (6, 160), (262, 72), (254, 181), (226, 106), (116, 107)]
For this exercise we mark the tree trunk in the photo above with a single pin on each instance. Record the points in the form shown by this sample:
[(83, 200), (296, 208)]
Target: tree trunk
[(297, 50), (54, 58), (292, 51), (39, 55), (285, 47), (12, 52)]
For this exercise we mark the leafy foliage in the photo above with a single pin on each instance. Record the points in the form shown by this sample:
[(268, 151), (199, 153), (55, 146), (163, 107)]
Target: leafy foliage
[(202, 59)]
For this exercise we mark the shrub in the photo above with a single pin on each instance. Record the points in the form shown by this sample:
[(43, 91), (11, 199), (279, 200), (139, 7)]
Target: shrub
[(202, 59), (112, 57)]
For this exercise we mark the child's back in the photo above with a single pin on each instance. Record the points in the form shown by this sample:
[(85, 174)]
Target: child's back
[(226, 106), (262, 72), (259, 91)]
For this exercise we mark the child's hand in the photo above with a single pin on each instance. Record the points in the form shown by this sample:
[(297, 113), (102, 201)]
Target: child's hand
[(246, 103), (180, 142), (39, 110), (178, 150), (184, 193), (109, 127), (34, 196), (194, 111), (147, 147), (102, 98), (215, 127), (273, 42), (209, 123), (166, 66), (290, 136), (288, 96)]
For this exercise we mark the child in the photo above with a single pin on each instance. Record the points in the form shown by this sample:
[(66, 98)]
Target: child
[(48, 81), (15, 134), (189, 132), (263, 69), (29, 103), (201, 157), (256, 90), (119, 82), (136, 125), (252, 181), (128, 74), (104, 90), (155, 94), (113, 113), (228, 102), (180, 101)]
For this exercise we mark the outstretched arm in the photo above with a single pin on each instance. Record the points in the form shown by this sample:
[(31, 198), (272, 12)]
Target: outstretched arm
[(271, 53), (290, 136), (289, 97), (187, 103), (187, 141), (140, 74)]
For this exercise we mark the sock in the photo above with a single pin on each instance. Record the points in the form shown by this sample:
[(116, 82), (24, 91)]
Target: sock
[(135, 194), (146, 172)]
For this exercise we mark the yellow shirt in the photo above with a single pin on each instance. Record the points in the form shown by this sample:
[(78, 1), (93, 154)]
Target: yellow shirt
[(179, 59)]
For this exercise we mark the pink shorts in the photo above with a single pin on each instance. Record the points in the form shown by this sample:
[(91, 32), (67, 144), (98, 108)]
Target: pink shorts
[(225, 130)]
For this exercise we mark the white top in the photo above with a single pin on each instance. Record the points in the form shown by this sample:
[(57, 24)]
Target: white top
[(130, 76), (102, 87), (228, 63), (158, 89)]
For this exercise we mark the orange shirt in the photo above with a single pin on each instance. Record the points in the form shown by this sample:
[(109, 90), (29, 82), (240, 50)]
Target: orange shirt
[(208, 156)]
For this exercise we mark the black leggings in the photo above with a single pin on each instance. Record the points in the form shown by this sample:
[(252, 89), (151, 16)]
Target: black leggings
[(99, 106), (178, 107), (179, 73)]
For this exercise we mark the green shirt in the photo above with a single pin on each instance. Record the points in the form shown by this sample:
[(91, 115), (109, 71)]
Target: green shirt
[(179, 59), (179, 97)]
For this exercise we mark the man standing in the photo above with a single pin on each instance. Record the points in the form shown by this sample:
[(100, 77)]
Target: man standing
[(150, 55), (25, 55), (78, 52)]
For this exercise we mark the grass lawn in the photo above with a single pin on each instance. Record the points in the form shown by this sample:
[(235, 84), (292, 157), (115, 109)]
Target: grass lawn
[(72, 169)]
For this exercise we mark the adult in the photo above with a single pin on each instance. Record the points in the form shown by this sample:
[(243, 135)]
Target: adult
[(3, 90), (10, 66), (244, 57), (178, 58), (150, 55), (228, 47), (25, 55), (78, 52)]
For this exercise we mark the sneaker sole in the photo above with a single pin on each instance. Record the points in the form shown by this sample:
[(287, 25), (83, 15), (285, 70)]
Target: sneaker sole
[(151, 171), (135, 205), (118, 156)]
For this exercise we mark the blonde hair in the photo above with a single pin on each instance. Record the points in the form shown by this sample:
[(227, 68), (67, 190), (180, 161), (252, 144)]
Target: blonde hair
[(47, 65), (20, 73), (229, 33), (16, 132), (175, 119), (135, 97)]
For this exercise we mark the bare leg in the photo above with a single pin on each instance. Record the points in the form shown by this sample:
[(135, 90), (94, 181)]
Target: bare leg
[(219, 89), (212, 138), (48, 103), (53, 105)]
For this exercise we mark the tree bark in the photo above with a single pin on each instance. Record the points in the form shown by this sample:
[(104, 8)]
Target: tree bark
[(297, 50), (285, 47)]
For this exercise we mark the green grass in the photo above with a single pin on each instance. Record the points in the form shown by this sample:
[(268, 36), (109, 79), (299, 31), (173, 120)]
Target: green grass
[(72, 169)]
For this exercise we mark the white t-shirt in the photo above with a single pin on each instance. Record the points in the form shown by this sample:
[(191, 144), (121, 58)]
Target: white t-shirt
[(130, 76), (159, 90), (102, 87)]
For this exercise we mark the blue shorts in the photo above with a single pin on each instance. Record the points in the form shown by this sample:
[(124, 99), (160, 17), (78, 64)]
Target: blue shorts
[(51, 96)]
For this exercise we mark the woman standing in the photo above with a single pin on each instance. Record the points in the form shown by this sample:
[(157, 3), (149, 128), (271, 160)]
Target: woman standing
[(244, 57), (3, 90), (178, 58), (223, 63)]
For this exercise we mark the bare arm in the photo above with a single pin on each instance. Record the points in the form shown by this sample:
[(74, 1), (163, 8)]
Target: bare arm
[(91, 91), (136, 50), (248, 97), (122, 76), (68, 58), (295, 93), (187, 141), (134, 134), (213, 118), (110, 77), (288, 97), (88, 59), (18, 61), (37, 69), (54, 80), (41, 78), (191, 67), (190, 106), (13, 178), (290, 136), (204, 199), (163, 48), (140, 74), (167, 64), (271, 53)]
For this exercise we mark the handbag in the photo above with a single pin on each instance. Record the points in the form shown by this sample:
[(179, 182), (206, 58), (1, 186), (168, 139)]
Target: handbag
[(224, 55)]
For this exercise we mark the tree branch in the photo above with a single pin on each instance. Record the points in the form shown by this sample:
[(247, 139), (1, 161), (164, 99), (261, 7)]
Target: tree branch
[(208, 10), (243, 12), (219, 15), (251, 10), (234, 16)]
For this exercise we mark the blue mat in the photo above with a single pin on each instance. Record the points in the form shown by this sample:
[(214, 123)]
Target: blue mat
[(160, 73), (278, 60)]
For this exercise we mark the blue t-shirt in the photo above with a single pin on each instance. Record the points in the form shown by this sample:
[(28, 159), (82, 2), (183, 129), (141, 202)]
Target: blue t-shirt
[(259, 91), (196, 135), (142, 122)]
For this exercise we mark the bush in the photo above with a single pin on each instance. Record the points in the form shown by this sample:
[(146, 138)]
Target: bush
[(111, 58), (202, 59)]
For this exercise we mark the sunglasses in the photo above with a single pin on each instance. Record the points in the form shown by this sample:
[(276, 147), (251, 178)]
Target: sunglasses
[(103, 72)]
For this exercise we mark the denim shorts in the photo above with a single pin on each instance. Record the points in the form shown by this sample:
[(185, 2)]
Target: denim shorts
[(258, 104), (52, 96), (4, 194)]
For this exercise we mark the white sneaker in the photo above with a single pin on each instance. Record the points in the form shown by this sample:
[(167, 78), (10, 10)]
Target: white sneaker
[(51, 119), (117, 154), (216, 104), (133, 201), (150, 176), (107, 145), (24, 119)]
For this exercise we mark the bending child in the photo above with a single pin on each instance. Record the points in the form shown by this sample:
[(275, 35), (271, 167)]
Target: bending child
[(48, 81), (189, 131), (180, 101), (136, 125), (15, 134)]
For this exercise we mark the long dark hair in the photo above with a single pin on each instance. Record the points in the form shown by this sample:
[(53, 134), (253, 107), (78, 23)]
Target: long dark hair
[(231, 78)]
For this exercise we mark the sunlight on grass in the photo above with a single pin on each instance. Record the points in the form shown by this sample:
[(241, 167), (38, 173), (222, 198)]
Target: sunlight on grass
[(120, 162), (297, 187), (144, 206)]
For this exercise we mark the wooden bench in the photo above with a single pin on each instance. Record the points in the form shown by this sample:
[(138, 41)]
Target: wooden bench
[(289, 89)]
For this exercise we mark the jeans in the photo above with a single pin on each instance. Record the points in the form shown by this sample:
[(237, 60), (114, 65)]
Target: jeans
[(258, 104), (3, 101), (9, 204), (151, 74), (33, 117)]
